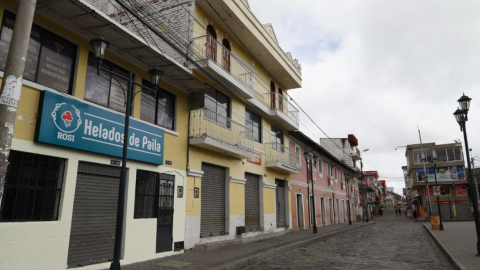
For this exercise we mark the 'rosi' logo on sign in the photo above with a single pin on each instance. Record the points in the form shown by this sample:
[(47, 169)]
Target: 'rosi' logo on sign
[(63, 119), (67, 118)]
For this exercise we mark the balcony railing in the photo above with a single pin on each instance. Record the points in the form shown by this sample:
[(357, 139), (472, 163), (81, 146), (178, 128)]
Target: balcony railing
[(205, 123), (277, 101), (281, 156), (207, 47)]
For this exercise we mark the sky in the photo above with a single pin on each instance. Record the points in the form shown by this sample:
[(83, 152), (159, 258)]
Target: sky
[(377, 69)]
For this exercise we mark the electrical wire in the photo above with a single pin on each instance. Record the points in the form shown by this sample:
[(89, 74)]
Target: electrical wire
[(176, 35)]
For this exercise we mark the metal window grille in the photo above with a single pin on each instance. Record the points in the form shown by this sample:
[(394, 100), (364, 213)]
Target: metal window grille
[(154, 189), (33, 188)]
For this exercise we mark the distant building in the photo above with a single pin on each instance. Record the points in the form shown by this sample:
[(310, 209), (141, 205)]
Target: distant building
[(454, 199)]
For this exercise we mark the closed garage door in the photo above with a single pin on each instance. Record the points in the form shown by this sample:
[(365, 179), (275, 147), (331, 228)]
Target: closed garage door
[(281, 215), (445, 208), (212, 220), (92, 235), (462, 210), (252, 202)]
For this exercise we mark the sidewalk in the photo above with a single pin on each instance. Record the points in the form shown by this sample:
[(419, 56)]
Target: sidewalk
[(459, 242), (238, 256)]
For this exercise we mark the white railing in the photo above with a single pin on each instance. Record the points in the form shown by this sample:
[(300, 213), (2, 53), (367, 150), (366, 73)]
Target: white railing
[(207, 123), (278, 152), (207, 47), (277, 101)]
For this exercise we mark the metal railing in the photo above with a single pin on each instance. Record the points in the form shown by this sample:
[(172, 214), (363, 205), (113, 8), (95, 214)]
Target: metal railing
[(277, 101), (278, 152), (207, 47), (207, 123)]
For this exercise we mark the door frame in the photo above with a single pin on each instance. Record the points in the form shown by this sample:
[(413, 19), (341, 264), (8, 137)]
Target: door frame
[(323, 211), (302, 210)]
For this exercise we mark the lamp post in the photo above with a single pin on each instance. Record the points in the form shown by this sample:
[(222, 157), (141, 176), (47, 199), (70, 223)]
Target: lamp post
[(99, 47), (365, 215), (308, 160), (461, 115), (434, 161)]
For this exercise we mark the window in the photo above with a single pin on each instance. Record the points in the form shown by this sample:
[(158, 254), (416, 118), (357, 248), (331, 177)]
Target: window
[(298, 155), (33, 187), (335, 173), (320, 167), (50, 59), (154, 195), (441, 154), (418, 158), (107, 90), (218, 106), (164, 107), (277, 138), (329, 170), (253, 122)]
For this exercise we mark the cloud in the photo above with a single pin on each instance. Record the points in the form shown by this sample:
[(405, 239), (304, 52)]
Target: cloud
[(378, 69)]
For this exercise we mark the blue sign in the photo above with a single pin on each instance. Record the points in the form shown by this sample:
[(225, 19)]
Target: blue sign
[(67, 122)]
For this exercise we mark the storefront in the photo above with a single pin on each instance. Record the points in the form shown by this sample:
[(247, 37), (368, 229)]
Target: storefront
[(61, 196)]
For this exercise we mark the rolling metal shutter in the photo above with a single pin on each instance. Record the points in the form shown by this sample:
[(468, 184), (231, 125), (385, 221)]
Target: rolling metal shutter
[(252, 203), (462, 210), (445, 208), (281, 217), (92, 236), (212, 220)]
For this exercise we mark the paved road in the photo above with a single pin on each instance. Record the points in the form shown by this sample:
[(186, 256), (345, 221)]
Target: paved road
[(393, 243)]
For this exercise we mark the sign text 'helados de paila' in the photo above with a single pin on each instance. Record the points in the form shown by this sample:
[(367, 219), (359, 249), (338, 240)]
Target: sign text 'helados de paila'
[(68, 122)]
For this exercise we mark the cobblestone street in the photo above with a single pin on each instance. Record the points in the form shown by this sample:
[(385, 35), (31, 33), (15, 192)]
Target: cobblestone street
[(393, 243)]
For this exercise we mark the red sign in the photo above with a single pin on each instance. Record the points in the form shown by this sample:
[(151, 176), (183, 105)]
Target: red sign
[(442, 202), (461, 191), (460, 202), (256, 159), (425, 191)]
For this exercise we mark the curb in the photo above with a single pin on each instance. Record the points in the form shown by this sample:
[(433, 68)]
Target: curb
[(458, 265), (278, 251)]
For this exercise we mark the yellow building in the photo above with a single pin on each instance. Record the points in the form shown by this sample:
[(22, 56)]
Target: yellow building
[(209, 159), (239, 157), (61, 193)]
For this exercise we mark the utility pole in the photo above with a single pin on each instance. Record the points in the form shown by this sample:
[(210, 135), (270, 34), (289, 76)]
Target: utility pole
[(424, 153), (12, 82)]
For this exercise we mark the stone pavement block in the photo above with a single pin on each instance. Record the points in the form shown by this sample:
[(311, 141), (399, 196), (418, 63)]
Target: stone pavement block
[(234, 257)]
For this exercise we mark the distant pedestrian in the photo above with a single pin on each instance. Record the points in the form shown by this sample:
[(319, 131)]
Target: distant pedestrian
[(400, 212), (405, 212), (396, 212), (414, 214), (380, 211)]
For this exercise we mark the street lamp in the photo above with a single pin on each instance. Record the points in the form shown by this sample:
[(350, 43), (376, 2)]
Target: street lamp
[(434, 161), (461, 115), (308, 160), (365, 215), (99, 47)]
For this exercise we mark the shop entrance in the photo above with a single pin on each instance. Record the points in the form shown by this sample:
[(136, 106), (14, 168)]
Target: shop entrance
[(92, 235)]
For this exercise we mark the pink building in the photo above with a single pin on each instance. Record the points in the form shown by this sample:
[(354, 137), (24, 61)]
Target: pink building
[(332, 183)]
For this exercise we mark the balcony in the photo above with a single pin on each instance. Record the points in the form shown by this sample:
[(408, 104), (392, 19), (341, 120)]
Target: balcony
[(356, 154), (212, 131), (282, 158), (219, 62), (282, 110)]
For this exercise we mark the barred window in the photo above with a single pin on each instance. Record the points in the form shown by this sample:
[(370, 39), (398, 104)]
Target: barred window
[(33, 188), (154, 196), (50, 59)]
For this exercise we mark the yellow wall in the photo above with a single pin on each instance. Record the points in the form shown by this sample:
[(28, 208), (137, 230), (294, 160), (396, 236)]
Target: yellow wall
[(175, 146)]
